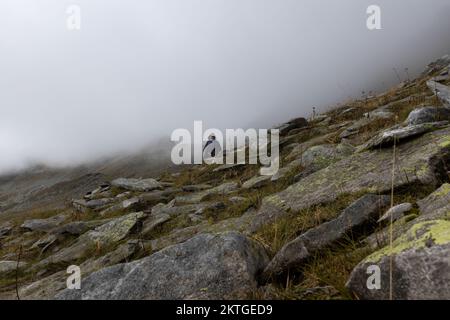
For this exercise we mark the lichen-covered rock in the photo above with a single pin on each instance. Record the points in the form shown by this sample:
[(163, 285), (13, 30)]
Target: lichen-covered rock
[(325, 154), (400, 134), (437, 204), (207, 266), (420, 265), (358, 216), (137, 184), (172, 210), (106, 234), (427, 115), (10, 266), (418, 162), (117, 229)]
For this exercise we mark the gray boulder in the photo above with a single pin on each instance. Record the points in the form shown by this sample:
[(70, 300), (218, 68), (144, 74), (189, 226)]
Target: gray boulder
[(137, 184), (420, 266), (400, 134), (396, 212), (83, 205), (208, 266), (359, 215), (427, 115), (293, 124), (43, 224)]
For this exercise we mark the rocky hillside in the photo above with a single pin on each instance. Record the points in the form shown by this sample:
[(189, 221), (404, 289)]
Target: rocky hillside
[(365, 184)]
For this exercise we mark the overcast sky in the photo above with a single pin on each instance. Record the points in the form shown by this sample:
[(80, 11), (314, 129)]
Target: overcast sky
[(139, 69)]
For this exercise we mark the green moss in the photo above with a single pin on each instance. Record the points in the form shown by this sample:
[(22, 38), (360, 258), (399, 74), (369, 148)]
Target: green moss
[(438, 231), (446, 142), (443, 190)]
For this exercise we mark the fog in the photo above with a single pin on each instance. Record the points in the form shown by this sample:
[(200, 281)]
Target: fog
[(137, 70)]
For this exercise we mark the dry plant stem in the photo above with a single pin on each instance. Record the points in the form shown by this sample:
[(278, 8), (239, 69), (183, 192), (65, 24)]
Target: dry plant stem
[(391, 220), (17, 272)]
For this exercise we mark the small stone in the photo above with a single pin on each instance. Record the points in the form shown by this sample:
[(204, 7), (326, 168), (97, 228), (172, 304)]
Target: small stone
[(396, 212)]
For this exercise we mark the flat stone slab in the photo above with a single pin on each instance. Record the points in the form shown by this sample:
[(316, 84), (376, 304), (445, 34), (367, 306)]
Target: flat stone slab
[(142, 185), (400, 134)]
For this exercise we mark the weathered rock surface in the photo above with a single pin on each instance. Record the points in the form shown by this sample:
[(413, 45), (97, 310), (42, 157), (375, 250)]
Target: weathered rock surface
[(400, 134), (359, 215), (396, 212), (323, 155), (47, 287), (197, 197), (207, 266), (419, 162), (420, 265), (153, 222), (172, 210), (437, 204), (83, 205), (77, 228), (106, 234), (427, 115), (10, 266), (137, 184), (44, 224)]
